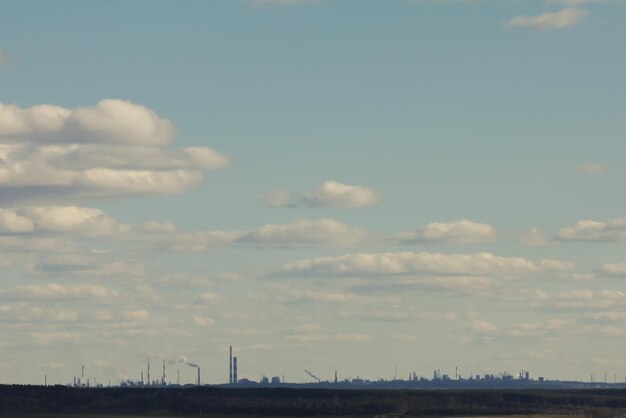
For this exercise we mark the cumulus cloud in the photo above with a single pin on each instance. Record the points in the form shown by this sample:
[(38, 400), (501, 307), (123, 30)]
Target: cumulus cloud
[(308, 333), (110, 121), (588, 230), (115, 148), (591, 168), (549, 21), (377, 315), (604, 317), (535, 238), (409, 263), (46, 339), (310, 338), (209, 297), (585, 230), (458, 232), (203, 321), (304, 232), (482, 327), (590, 299), (78, 221), (329, 194), (322, 232), (300, 233), (613, 270), (299, 296), (136, 315), (59, 291), (541, 329)]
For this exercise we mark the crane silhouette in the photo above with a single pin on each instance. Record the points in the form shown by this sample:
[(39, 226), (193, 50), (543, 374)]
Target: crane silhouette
[(313, 376)]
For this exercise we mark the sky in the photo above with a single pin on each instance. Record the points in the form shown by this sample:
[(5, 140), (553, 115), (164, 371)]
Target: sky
[(355, 185)]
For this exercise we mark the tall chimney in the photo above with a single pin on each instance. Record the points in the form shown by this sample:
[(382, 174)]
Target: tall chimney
[(164, 382), (230, 374), (235, 370), (149, 382), (199, 377)]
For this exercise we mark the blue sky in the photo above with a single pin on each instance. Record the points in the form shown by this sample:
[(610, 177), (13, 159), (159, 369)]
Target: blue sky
[(333, 184)]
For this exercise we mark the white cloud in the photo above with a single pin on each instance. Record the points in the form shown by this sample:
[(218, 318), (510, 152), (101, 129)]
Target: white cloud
[(548, 21), (136, 315), (535, 238), (482, 327), (377, 315), (590, 299), (306, 329), (589, 230), (299, 296), (58, 291), (209, 297), (115, 148), (329, 194), (613, 270), (46, 339), (304, 232), (592, 168), (408, 263), (26, 313), (309, 338), (110, 121), (458, 232), (84, 265), (203, 321), (606, 316), (541, 329), (306, 333), (21, 244), (73, 220), (404, 337), (300, 233)]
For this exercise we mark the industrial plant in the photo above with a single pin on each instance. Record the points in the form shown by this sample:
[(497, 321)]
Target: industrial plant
[(439, 380)]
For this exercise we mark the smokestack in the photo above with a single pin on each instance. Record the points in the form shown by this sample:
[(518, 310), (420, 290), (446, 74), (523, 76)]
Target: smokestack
[(164, 381), (230, 374), (199, 376), (82, 373), (149, 382), (235, 370)]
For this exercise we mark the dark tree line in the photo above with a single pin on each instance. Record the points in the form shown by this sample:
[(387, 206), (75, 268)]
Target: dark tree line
[(16, 400)]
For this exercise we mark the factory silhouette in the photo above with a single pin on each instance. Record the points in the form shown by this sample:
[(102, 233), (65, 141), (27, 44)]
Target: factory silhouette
[(438, 380)]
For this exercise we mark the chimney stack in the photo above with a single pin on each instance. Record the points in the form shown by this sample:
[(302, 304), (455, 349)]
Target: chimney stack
[(235, 370), (230, 374)]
